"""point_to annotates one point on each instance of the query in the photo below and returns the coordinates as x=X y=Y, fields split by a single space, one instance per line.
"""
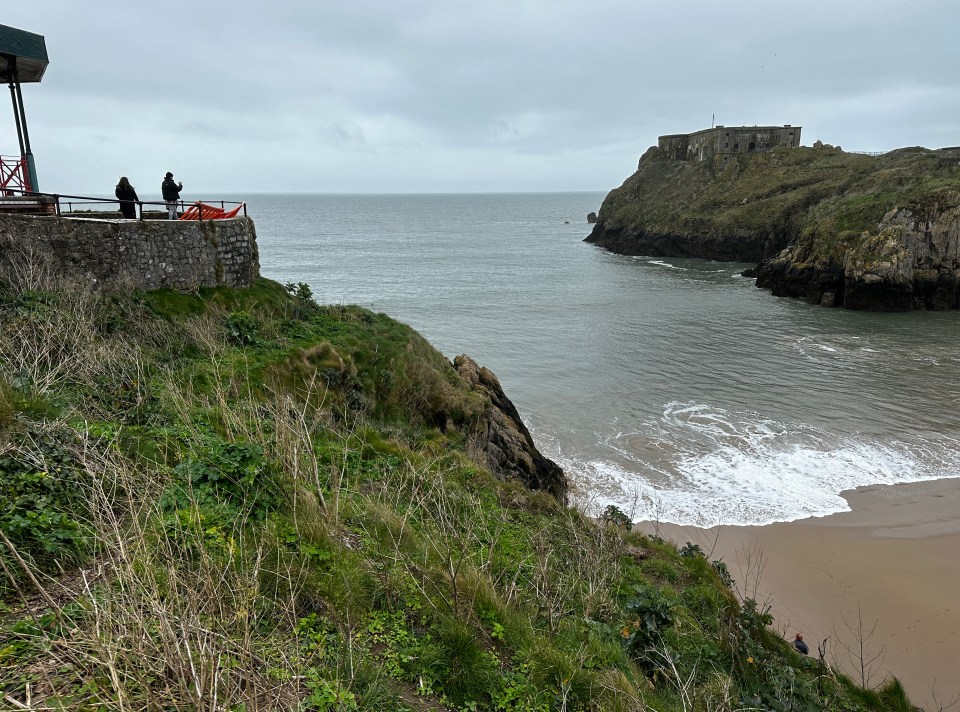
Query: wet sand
x=894 y=561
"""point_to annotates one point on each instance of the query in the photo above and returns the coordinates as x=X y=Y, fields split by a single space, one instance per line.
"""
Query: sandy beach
x=893 y=562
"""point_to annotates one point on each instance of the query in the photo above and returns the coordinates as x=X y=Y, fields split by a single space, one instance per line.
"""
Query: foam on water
x=704 y=466
x=661 y=263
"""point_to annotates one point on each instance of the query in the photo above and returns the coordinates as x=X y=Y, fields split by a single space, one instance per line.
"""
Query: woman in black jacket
x=127 y=197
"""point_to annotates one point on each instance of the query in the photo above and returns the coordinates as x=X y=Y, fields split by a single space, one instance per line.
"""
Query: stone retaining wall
x=144 y=254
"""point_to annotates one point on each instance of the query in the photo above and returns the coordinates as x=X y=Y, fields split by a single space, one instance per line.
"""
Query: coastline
x=893 y=560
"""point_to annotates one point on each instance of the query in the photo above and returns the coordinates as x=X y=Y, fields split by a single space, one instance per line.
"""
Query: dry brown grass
x=161 y=619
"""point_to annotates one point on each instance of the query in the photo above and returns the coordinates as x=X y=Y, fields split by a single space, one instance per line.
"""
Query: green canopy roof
x=29 y=51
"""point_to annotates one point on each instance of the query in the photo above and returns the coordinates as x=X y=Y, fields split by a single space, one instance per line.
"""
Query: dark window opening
x=752 y=147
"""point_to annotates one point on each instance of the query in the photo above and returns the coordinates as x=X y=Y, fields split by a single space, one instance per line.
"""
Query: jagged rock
x=504 y=441
x=911 y=261
x=592 y=218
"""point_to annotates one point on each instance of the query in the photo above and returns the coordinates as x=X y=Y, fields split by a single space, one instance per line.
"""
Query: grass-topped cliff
x=241 y=500
x=827 y=206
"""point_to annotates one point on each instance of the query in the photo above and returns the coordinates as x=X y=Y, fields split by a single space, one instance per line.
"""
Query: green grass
x=246 y=496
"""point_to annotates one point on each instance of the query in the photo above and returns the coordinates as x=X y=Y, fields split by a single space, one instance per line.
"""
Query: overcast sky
x=452 y=96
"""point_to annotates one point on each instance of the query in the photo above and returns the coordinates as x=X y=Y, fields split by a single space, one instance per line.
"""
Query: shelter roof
x=30 y=51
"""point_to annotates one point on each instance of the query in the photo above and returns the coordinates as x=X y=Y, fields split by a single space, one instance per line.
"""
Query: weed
x=653 y=616
x=241 y=328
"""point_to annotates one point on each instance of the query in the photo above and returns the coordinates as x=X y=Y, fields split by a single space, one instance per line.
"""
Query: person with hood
x=171 y=194
x=128 y=198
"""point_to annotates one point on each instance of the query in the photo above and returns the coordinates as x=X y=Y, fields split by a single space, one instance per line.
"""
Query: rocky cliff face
x=910 y=261
x=727 y=246
x=505 y=444
x=668 y=208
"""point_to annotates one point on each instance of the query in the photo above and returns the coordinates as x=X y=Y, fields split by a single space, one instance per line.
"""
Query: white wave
x=661 y=263
x=741 y=469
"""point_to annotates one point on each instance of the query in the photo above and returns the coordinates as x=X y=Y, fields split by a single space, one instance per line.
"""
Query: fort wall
x=720 y=142
x=139 y=254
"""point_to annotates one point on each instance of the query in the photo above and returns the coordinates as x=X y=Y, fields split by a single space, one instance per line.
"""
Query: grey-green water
x=672 y=388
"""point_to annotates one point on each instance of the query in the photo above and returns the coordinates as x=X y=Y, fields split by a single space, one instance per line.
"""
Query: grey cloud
x=545 y=93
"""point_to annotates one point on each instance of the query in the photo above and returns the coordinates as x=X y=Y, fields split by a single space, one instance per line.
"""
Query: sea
x=673 y=389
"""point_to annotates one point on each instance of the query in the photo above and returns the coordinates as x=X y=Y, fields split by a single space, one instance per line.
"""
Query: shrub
x=241 y=328
x=234 y=473
x=617 y=517
x=43 y=503
x=653 y=616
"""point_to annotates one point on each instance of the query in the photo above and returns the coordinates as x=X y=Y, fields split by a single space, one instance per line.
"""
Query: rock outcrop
x=505 y=443
x=723 y=245
x=910 y=261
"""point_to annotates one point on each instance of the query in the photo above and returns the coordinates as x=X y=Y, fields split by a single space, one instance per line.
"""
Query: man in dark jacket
x=171 y=194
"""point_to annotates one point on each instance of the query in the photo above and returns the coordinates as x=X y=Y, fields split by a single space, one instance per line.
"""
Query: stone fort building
x=721 y=142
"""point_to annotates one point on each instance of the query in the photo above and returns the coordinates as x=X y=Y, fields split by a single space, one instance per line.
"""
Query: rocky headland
x=838 y=229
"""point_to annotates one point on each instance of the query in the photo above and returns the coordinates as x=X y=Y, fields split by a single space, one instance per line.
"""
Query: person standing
x=171 y=194
x=128 y=198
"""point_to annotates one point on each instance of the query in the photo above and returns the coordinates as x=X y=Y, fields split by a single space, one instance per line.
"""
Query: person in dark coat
x=127 y=197
x=171 y=194
x=800 y=645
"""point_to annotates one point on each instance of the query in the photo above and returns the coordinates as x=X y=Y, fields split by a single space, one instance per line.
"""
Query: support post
x=32 y=173
x=28 y=154
x=12 y=64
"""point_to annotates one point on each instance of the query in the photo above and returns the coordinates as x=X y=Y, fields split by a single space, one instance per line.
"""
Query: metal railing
x=59 y=200
x=13 y=173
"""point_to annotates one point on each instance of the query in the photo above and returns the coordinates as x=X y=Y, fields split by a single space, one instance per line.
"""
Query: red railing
x=13 y=174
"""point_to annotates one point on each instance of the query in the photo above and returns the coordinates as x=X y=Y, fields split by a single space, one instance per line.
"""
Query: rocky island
x=835 y=228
